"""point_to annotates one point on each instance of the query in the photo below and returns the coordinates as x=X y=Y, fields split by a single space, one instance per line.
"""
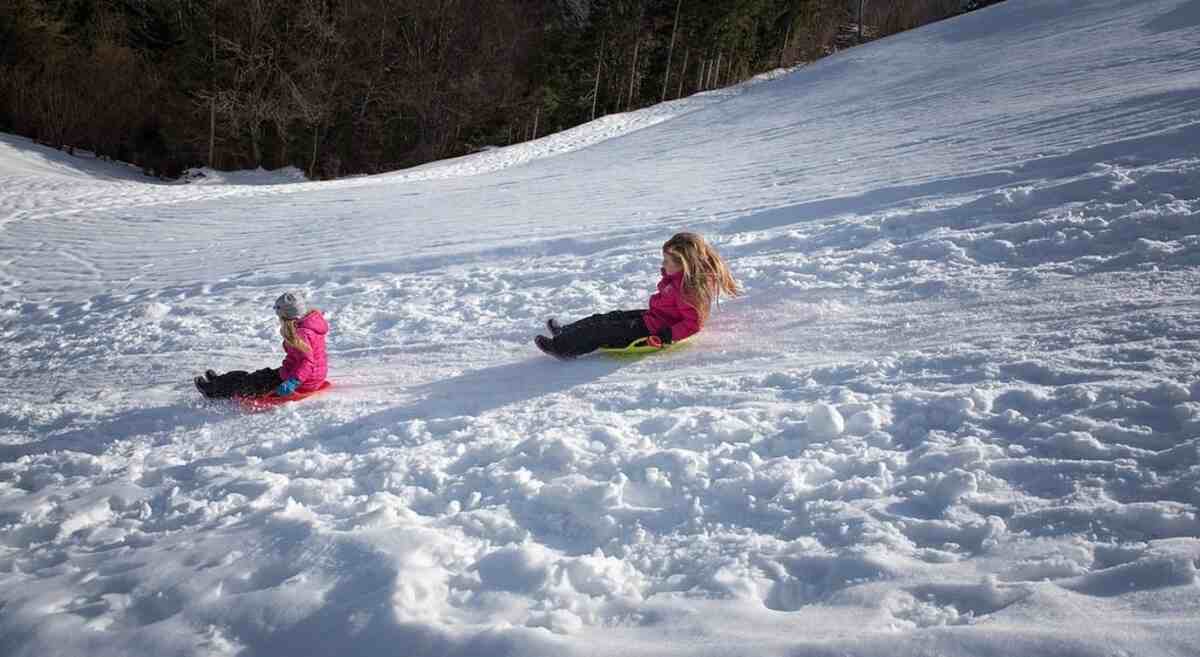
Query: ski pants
x=613 y=329
x=243 y=384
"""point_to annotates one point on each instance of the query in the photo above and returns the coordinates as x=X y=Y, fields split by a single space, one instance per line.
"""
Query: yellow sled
x=640 y=347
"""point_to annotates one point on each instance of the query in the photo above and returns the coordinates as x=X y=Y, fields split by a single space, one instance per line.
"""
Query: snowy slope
x=956 y=412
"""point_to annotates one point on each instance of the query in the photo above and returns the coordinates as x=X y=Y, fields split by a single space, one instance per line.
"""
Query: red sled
x=270 y=400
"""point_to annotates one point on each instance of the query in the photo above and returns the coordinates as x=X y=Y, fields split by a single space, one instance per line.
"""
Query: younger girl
x=693 y=276
x=304 y=363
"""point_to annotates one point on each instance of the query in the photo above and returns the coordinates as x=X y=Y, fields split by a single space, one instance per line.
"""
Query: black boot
x=547 y=346
x=210 y=374
x=201 y=385
x=554 y=327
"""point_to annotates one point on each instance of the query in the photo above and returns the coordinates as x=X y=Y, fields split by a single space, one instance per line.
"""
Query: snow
x=260 y=176
x=955 y=412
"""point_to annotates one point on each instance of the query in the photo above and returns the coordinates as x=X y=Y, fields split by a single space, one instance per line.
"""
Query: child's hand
x=287 y=387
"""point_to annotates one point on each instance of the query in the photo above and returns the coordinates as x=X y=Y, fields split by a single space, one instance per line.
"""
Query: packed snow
x=956 y=411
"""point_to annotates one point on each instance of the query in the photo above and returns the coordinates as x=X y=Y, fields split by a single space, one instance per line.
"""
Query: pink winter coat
x=309 y=368
x=668 y=308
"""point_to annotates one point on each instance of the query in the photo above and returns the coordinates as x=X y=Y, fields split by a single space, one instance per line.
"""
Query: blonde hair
x=705 y=274
x=287 y=328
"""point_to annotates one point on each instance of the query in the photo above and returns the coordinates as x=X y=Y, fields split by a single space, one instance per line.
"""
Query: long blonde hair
x=287 y=328
x=705 y=274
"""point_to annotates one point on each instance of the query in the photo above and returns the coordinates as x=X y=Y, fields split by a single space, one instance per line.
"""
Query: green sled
x=640 y=348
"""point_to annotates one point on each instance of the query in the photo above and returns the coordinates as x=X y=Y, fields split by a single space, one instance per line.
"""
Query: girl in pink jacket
x=304 y=362
x=693 y=276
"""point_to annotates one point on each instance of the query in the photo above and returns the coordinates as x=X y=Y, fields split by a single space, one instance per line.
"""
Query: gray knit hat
x=291 y=305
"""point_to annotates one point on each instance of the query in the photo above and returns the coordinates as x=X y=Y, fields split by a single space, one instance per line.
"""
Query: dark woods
x=349 y=86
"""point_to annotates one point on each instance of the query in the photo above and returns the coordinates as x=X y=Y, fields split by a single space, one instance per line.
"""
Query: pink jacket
x=309 y=368
x=668 y=308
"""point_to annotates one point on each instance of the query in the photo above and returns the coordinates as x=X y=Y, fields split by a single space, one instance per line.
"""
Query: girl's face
x=671 y=264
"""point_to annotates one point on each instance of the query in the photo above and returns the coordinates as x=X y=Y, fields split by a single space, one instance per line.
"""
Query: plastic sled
x=640 y=347
x=270 y=400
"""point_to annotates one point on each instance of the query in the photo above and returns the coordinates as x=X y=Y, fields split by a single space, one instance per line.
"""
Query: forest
x=339 y=87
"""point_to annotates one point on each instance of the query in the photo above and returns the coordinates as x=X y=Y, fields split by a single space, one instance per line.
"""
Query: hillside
x=955 y=412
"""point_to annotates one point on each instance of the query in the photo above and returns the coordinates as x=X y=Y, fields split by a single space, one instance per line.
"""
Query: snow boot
x=547 y=346
x=210 y=375
x=554 y=327
x=201 y=385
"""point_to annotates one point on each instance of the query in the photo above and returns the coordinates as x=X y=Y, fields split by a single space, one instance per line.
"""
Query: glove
x=662 y=339
x=287 y=387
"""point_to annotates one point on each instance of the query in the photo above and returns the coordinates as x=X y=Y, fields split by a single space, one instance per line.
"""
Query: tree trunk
x=860 y=19
x=212 y=108
x=700 y=77
x=254 y=145
x=683 y=72
x=596 y=86
x=670 y=51
x=312 y=164
x=536 y=114
x=637 y=42
x=783 y=51
x=212 y=131
x=716 y=82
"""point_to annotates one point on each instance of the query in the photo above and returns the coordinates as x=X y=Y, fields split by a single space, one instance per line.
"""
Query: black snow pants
x=242 y=384
x=614 y=329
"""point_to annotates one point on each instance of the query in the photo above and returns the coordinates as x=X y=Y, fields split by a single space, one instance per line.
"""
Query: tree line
x=337 y=87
